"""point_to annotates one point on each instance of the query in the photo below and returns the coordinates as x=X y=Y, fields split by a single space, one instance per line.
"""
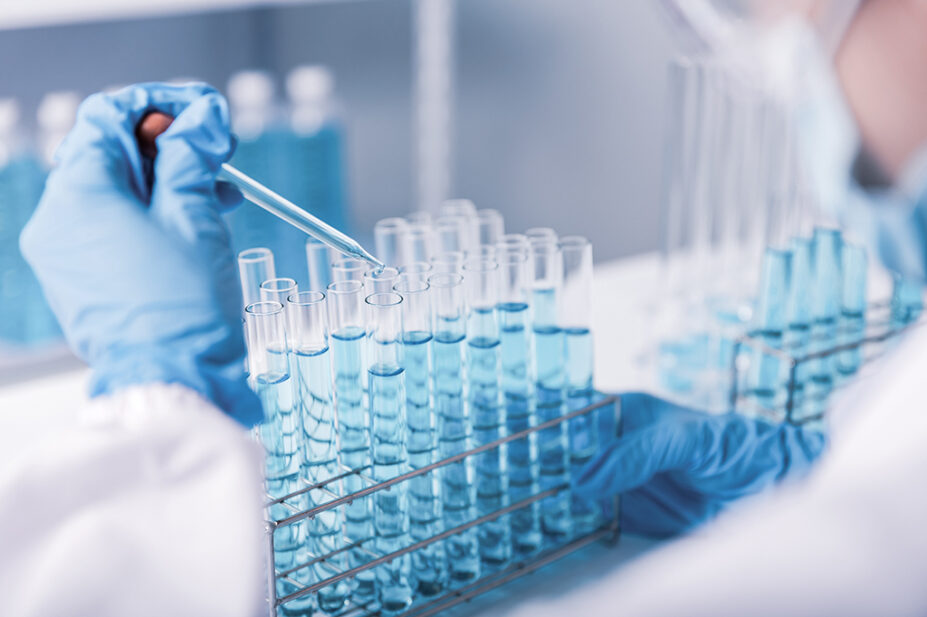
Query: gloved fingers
x=185 y=198
x=633 y=459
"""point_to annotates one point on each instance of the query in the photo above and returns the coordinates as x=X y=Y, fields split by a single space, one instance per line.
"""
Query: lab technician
x=149 y=503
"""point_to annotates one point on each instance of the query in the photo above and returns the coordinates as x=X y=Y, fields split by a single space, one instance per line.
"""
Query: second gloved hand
x=141 y=276
x=676 y=467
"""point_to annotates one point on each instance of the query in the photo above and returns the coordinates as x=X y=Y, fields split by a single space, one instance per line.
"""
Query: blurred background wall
x=559 y=103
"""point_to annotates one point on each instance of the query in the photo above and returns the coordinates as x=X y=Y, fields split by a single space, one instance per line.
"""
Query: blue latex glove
x=676 y=467
x=141 y=275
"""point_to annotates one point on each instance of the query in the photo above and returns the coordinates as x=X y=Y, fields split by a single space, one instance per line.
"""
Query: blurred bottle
x=258 y=123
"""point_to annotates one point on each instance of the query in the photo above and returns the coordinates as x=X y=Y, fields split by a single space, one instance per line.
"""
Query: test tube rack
x=607 y=532
x=870 y=342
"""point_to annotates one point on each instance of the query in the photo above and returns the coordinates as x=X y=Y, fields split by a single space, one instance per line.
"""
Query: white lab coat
x=147 y=503
x=849 y=541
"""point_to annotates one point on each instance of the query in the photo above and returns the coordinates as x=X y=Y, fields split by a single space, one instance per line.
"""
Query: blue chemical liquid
x=391 y=514
x=279 y=434
x=518 y=390
x=825 y=309
x=907 y=301
x=320 y=463
x=429 y=567
x=487 y=415
x=457 y=479
x=550 y=371
x=797 y=336
x=584 y=429
x=354 y=438
x=852 y=322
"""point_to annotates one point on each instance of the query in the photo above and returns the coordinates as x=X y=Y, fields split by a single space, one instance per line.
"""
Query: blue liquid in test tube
x=770 y=323
x=825 y=310
x=388 y=448
x=308 y=334
x=518 y=390
x=484 y=370
x=454 y=428
x=345 y=312
x=797 y=336
x=853 y=307
x=429 y=567
x=907 y=300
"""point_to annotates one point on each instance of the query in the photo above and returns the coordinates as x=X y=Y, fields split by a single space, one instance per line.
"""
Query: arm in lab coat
x=149 y=505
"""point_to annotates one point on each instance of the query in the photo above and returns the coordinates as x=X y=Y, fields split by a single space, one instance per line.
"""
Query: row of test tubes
x=467 y=335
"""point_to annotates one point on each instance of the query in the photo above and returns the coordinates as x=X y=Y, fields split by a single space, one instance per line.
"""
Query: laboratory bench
x=44 y=404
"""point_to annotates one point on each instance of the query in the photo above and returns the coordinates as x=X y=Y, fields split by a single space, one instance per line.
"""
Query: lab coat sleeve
x=848 y=541
x=149 y=504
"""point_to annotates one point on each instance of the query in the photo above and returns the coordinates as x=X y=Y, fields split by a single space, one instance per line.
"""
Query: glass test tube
x=254 y=267
x=346 y=324
x=429 y=567
x=380 y=281
x=418 y=269
x=517 y=391
x=464 y=209
x=550 y=374
x=540 y=234
x=453 y=233
x=419 y=217
x=852 y=323
x=491 y=226
x=349 y=269
x=454 y=427
x=513 y=241
x=576 y=322
x=797 y=336
x=389 y=446
x=825 y=302
x=907 y=301
x=390 y=238
x=278 y=290
x=269 y=377
x=448 y=261
x=770 y=321
x=308 y=335
x=421 y=244
x=318 y=257
x=487 y=414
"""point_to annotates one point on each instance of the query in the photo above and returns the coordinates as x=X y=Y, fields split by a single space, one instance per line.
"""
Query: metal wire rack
x=552 y=551
x=797 y=400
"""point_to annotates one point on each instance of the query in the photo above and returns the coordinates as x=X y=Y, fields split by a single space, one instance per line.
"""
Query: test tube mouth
x=574 y=242
x=349 y=264
x=265 y=307
x=445 y=279
x=540 y=234
x=459 y=207
x=410 y=284
x=393 y=222
x=384 y=299
x=480 y=264
x=306 y=298
x=278 y=284
x=254 y=254
x=417 y=267
x=345 y=287
x=385 y=272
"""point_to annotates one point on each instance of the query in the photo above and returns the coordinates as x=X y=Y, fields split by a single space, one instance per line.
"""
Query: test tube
x=517 y=391
x=448 y=261
x=550 y=372
x=458 y=207
x=421 y=243
x=278 y=290
x=308 y=336
x=318 y=258
x=770 y=322
x=576 y=322
x=389 y=446
x=491 y=226
x=390 y=238
x=269 y=377
x=254 y=267
x=825 y=302
x=514 y=241
x=798 y=333
x=453 y=233
x=454 y=426
x=419 y=217
x=380 y=281
x=907 y=301
x=346 y=324
x=853 y=307
x=348 y=269
x=484 y=372
x=429 y=567
x=540 y=234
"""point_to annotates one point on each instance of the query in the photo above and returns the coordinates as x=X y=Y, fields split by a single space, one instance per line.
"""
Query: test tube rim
x=441 y=257
x=300 y=302
x=469 y=265
x=263 y=253
x=273 y=307
x=369 y=300
x=532 y=234
x=574 y=241
x=416 y=268
x=406 y=280
x=354 y=285
x=391 y=222
x=357 y=264
x=454 y=279
x=291 y=284
x=374 y=273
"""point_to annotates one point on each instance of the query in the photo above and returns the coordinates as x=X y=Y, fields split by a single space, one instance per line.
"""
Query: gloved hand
x=676 y=467
x=141 y=275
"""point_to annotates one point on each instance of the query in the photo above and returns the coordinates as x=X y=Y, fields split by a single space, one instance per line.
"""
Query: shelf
x=37 y=13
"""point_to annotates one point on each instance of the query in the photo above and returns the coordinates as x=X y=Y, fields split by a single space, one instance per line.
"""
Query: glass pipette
x=155 y=123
